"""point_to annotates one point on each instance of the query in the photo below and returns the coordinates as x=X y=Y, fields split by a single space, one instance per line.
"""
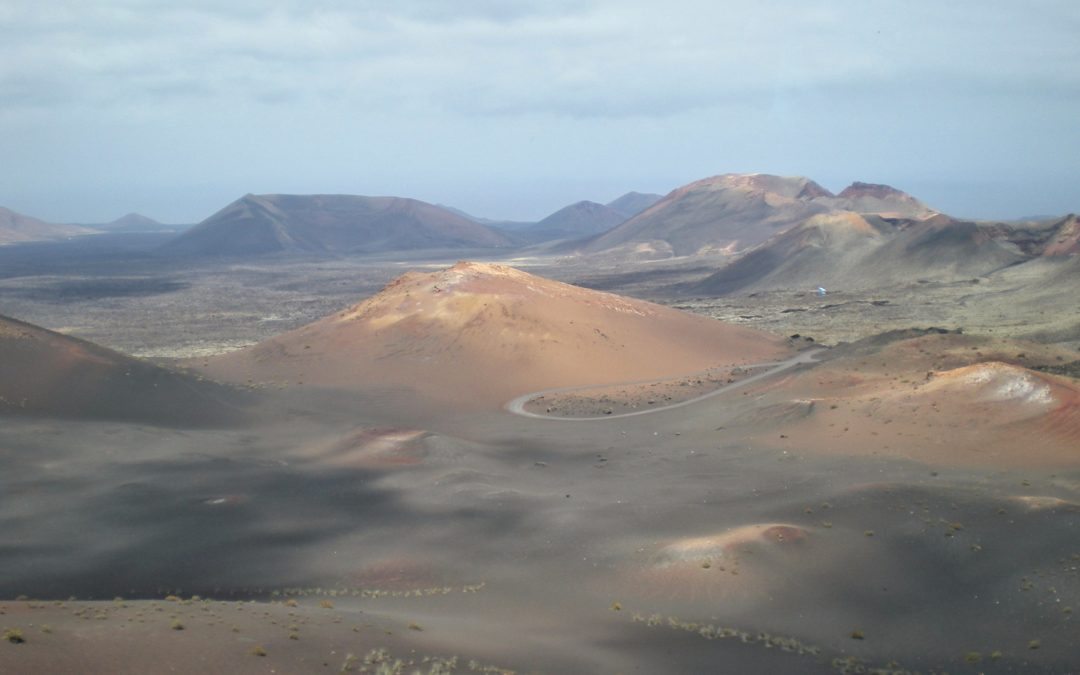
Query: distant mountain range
x=867 y=250
x=332 y=224
x=16 y=228
x=767 y=232
x=136 y=222
x=349 y=224
x=734 y=212
x=572 y=222
x=851 y=250
x=577 y=220
x=633 y=203
x=585 y=218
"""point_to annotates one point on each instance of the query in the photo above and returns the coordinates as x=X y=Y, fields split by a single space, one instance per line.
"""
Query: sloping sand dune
x=1066 y=239
x=369 y=448
x=928 y=400
x=728 y=543
x=734 y=565
x=478 y=334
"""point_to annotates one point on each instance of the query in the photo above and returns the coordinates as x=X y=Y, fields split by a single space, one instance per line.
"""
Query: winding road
x=517 y=405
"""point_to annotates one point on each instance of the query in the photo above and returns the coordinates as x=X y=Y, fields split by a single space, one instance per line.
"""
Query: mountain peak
x=576 y=220
x=724 y=213
x=133 y=218
x=480 y=333
x=881 y=199
x=792 y=187
x=875 y=190
x=321 y=224
x=633 y=203
x=16 y=227
x=585 y=204
x=482 y=269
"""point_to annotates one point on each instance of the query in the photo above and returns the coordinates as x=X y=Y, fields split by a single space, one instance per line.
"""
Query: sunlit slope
x=848 y=250
x=479 y=334
x=945 y=399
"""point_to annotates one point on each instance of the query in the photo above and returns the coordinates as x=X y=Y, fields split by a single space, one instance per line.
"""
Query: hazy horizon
x=513 y=110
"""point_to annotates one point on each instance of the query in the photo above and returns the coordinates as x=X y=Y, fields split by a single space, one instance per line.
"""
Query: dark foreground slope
x=920 y=491
x=742 y=534
x=43 y=373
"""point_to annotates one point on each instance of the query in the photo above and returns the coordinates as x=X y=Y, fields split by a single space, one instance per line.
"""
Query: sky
x=511 y=110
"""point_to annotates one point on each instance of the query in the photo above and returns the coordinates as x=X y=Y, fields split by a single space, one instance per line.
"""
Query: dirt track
x=517 y=405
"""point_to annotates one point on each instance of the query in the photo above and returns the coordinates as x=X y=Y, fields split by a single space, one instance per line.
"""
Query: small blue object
x=821 y=290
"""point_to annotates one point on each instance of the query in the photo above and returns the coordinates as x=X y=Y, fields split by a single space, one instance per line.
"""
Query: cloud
x=774 y=80
x=490 y=57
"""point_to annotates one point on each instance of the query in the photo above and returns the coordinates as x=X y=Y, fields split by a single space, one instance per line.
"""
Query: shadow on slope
x=49 y=374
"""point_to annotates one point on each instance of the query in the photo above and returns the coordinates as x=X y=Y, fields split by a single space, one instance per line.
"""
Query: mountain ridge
x=331 y=224
x=17 y=227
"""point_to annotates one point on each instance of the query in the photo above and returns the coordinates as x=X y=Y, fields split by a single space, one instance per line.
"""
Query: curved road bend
x=517 y=406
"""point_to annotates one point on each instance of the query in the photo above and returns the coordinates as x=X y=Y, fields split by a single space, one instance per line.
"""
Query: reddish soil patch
x=476 y=335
